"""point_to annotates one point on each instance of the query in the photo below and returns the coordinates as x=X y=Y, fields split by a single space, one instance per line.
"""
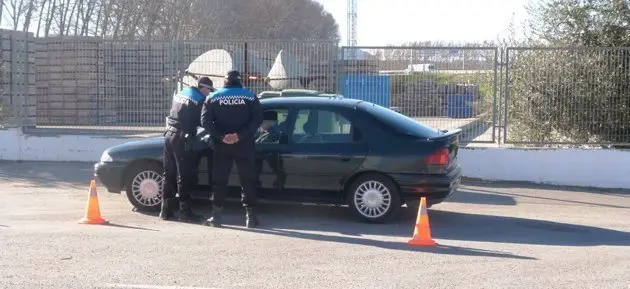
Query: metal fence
x=94 y=84
x=443 y=87
x=17 y=79
x=567 y=96
x=514 y=95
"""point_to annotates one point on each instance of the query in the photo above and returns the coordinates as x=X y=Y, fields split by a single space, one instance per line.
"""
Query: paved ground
x=490 y=236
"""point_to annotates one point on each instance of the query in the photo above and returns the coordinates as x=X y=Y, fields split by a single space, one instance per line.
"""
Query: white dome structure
x=218 y=62
x=286 y=66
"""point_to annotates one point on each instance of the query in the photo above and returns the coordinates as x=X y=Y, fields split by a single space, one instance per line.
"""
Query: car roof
x=313 y=100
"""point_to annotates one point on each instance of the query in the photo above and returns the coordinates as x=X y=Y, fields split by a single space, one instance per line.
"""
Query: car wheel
x=373 y=198
x=144 y=186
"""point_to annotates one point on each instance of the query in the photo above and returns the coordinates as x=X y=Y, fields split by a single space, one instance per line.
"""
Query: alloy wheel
x=147 y=188
x=372 y=199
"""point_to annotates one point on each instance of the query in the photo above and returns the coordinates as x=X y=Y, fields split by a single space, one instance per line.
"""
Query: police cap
x=205 y=82
x=233 y=75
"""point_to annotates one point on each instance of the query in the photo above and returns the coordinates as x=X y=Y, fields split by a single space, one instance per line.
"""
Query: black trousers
x=223 y=159
x=178 y=164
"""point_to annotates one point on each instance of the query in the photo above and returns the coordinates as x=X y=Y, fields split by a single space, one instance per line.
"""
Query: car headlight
x=105 y=157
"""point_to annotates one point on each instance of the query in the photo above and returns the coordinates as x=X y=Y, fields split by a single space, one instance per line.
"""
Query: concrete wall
x=571 y=167
x=16 y=146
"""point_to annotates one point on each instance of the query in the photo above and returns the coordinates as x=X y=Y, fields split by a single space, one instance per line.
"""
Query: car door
x=268 y=163
x=325 y=147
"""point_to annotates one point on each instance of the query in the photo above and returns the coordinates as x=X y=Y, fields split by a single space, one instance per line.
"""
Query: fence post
x=341 y=68
x=499 y=122
x=497 y=66
x=507 y=94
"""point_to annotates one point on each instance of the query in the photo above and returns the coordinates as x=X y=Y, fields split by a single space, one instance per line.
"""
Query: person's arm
x=255 y=119
x=207 y=119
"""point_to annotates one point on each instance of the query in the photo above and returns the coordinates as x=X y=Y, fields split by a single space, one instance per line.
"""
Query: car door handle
x=345 y=158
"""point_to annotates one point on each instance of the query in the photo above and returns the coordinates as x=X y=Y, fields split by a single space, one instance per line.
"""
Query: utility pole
x=352 y=26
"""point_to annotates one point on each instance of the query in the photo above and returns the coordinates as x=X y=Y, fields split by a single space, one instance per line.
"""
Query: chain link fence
x=515 y=95
x=89 y=83
x=443 y=87
x=17 y=79
x=557 y=96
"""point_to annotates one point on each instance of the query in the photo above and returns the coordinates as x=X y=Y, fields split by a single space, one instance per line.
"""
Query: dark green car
x=329 y=150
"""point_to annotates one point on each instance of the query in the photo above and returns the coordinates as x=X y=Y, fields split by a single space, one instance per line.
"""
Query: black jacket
x=185 y=110
x=232 y=109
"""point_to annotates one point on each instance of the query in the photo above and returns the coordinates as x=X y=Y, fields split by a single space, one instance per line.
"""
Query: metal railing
x=443 y=87
x=567 y=95
x=512 y=95
x=94 y=84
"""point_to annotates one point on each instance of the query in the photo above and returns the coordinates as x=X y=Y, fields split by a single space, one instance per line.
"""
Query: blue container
x=372 y=88
x=459 y=106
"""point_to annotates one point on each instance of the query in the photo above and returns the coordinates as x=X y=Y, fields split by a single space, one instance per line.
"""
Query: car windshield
x=401 y=122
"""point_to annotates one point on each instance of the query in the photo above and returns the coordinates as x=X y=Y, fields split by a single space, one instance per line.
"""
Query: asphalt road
x=490 y=236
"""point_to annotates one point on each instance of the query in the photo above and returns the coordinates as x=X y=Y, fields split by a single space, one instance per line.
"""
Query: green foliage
x=570 y=96
x=578 y=94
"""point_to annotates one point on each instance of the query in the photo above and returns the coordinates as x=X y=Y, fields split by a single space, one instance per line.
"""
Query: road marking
x=143 y=286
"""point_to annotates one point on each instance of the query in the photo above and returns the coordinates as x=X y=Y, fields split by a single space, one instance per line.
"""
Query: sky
x=383 y=22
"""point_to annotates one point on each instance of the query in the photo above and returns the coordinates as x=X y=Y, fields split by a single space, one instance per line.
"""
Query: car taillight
x=440 y=157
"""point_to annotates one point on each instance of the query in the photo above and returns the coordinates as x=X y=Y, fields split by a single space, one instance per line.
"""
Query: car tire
x=373 y=198
x=142 y=181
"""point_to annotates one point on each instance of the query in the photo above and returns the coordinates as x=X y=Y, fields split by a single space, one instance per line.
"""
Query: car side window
x=272 y=127
x=323 y=126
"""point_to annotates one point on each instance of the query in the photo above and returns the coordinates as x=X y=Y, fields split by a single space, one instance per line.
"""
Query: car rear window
x=400 y=122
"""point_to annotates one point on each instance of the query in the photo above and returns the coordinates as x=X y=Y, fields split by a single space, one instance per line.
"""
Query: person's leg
x=221 y=167
x=184 y=163
x=170 y=180
x=248 y=177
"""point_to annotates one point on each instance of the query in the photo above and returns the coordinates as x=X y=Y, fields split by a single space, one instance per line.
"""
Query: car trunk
x=443 y=150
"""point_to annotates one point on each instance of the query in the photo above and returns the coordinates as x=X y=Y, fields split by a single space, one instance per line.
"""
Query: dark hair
x=205 y=82
x=270 y=115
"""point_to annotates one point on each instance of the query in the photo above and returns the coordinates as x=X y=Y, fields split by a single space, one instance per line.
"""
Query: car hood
x=150 y=148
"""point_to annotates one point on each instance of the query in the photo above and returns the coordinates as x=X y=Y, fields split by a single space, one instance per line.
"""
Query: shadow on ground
x=318 y=222
x=503 y=191
x=47 y=174
x=129 y=227
x=488 y=185
x=478 y=197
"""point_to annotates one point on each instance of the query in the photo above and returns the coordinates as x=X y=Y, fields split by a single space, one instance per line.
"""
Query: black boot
x=186 y=214
x=251 y=221
x=167 y=212
x=215 y=220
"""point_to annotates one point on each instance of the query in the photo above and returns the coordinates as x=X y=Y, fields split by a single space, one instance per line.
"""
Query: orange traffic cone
x=93 y=211
x=422 y=231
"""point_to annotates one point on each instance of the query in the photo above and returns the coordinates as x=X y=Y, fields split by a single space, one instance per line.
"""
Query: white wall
x=571 y=167
x=16 y=146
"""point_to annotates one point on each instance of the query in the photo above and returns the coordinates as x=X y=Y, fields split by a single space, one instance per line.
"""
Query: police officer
x=232 y=114
x=182 y=123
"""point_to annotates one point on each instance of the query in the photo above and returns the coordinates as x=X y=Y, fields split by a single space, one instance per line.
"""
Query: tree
x=576 y=94
x=175 y=19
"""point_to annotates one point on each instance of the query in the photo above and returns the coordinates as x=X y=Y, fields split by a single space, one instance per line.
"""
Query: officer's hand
x=229 y=139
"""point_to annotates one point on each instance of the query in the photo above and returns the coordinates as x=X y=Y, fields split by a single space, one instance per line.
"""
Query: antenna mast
x=352 y=22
